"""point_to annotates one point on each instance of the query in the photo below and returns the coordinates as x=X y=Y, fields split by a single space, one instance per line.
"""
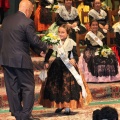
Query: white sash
x=71 y=69
x=95 y=38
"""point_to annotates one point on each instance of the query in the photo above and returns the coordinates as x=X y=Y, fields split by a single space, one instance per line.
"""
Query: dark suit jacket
x=18 y=34
x=0 y=39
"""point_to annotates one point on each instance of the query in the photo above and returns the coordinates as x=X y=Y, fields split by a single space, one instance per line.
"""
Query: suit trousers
x=20 y=86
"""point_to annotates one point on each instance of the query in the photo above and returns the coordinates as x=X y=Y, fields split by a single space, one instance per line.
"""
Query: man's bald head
x=26 y=7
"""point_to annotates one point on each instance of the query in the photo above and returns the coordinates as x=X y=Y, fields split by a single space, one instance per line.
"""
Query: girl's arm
x=74 y=51
x=87 y=42
x=48 y=55
x=117 y=38
x=60 y=20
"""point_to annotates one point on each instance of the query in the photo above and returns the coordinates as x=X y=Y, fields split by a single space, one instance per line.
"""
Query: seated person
x=102 y=16
x=67 y=14
x=43 y=16
x=98 y=64
x=116 y=48
x=106 y=113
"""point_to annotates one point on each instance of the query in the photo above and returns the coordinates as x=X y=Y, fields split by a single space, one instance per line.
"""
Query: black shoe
x=67 y=112
x=12 y=114
x=59 y=110
x=32 y=118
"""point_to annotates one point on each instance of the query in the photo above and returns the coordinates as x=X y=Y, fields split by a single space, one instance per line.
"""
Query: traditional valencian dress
x=64 y=17
x=116 y=48
x=97 y=68
x=101 y=17
x=61 y=89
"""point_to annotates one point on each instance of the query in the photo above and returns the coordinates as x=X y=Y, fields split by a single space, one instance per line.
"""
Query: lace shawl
x=66 y=15
x=96 y=15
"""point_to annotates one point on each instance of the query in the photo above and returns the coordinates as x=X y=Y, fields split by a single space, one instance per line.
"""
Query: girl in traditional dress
x=116 y=28
x=62 y=89
x=98 y=66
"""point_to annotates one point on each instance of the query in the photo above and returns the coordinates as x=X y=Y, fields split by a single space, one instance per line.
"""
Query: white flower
x=96 y=53
x=49 y=6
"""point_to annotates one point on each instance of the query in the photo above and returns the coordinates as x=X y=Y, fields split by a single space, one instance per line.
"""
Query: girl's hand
x=101 y=26
x=73 y=62
x=42 y=54
x=74 y=24
x=69 y=25
x=106 y=27
x=50 y=46
x=46 y=65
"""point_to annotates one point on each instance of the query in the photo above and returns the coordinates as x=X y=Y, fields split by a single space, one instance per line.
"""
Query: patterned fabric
x=66 y=15
x=61 y=88
x=101 y=69
x=39 y=26
x=97 y=15
x=69 y=96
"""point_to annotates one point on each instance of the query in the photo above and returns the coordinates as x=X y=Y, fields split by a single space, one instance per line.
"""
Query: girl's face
x=68 y=3
x=94 y=26
x=97 y=4
x=62 y=33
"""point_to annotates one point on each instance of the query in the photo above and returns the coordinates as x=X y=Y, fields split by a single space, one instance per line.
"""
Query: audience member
x=105 y=113
x=43 y=15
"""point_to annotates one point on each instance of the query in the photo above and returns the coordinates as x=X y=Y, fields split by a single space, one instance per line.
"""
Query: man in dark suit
x=18 y=35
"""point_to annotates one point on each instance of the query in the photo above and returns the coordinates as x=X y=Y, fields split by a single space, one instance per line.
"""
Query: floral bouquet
x=51 y=38
x=104 y=51
x=53 y=7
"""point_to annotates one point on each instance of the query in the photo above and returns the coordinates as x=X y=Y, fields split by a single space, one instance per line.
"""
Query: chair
x=110 y=38
x=111 y=14
x=113 y=3
x=83 y=16
x=54 y=17
x=79 y=37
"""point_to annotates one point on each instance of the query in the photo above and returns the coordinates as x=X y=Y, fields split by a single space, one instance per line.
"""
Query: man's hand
x=46 y=65
x=50 y=47
x=42 y=54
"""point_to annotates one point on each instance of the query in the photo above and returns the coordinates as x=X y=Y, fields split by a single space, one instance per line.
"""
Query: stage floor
x=48 y=114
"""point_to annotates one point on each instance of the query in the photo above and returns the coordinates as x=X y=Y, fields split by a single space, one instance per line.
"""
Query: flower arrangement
x=53 y=7
x=104 y=51
x=51 y=38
